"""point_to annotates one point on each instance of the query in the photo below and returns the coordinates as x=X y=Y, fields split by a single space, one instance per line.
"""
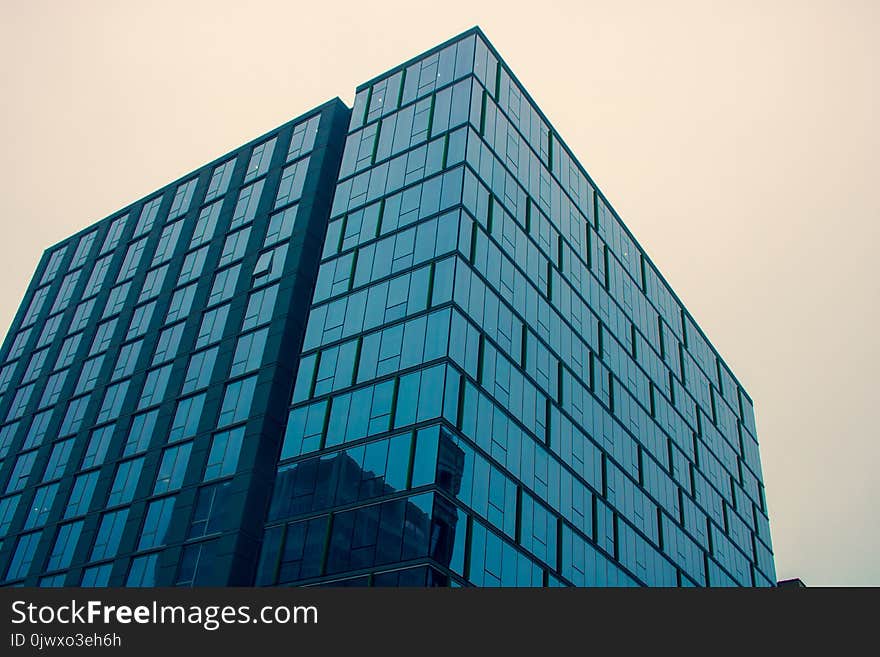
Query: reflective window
x=186 y=418
x=65 y=544
x=143 y=570
x=23 y=556
x=148 y=216
x=201 y=367
x=182 y=199
x=114 y=233
x=261 y=157
x=81 y=494
x=172 y=468
x=58 y=459
x=249 y=352
x=109 y=535
x=41 y=506
x=156 y=522
x=154 y=386
x=211 y=511
x=220 y=180
x=142 y=429
x=223 y=457
x=125 y=482
x=237 y=400
x=97 y=447
x=21 y=471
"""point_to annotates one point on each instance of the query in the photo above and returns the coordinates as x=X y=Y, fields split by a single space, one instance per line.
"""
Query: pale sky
x=738 y=141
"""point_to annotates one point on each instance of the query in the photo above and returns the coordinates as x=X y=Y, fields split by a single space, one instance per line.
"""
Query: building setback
x=409 y=343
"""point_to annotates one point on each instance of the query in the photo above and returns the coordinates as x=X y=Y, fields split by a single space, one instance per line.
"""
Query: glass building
x=409 y=343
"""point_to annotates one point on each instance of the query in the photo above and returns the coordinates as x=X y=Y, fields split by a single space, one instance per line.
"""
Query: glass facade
x=409 y=344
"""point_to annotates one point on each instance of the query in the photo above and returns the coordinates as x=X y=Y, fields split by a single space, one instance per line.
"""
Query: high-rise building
x=409 y=343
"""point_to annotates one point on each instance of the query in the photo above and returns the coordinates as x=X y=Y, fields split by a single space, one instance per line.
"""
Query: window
x=8 y=370
x=65 y=292
x=24 y=553
x=103 y=336
x=41 y=506
x=53 y=581
x=53 y=265
x=113 y=399
x=270 y=265
x=127 y=360
x=148 y=216
x=20 y=402
x=7 y=433
x=153 y=283
x=154 y=387
x=109 y=534
x=305 y=425
x=181 y=303
x=198 y=374
x=114 y=233
x=206 y=225
x=116 y=300
x=76 y=411
x=34 y=368
x=249 y=352
x=292 y=178
x=125 y=483
x=193 y=265
x=261 y=305
x=96 y=280
x=65 y=544
x=81 y=494
x=209 y=513
x=132 y=260
x=141 y=432
x=211 y=329
x=234 y=247
x=223 y=457
x=35 y=306
x=82 y=250
x=246 y=207
x=167 y=243
x=21 y=471
x=220 y=180
x=261 y=157
x=19 y=343
x=89 y=376
x=81 y=316
x=237 y=401
x=186 y=418
x=156 y=523
x=224 y=285
x=142 y=571
x=168 y=343
x=53 y=388
x=37 y=430
x=140 y=320
x=68 y=351
x=98 y=444
x=182 y=199
x=196 y=564
x=8 y=506
x=303 y=139
x=97 y=576
x=58 y=459
x=172 y=469
x=281 y=226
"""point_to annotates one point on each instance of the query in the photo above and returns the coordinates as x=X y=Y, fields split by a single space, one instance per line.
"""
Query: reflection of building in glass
x=376 y=519
x=404 y=344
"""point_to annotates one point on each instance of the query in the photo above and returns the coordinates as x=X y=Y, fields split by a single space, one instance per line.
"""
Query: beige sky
x=738 y=141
